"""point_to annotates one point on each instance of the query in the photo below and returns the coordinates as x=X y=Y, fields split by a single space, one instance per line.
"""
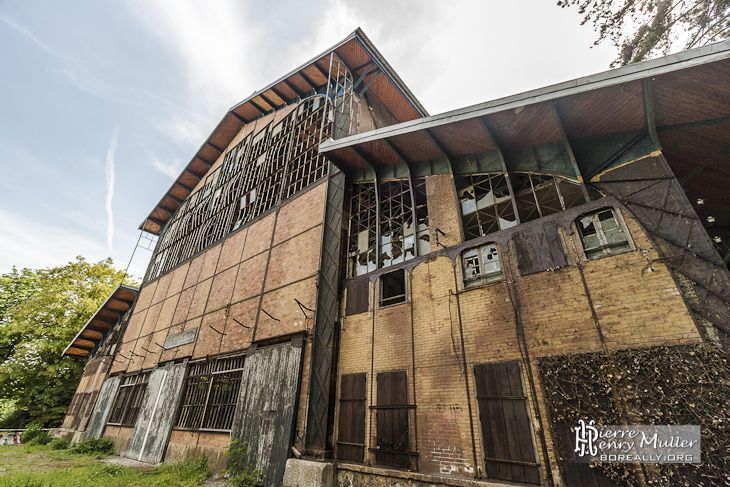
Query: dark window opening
x=393 y=288
x=508 y=449
x=210 y=395
x=129 y=400
x=602 y=234
x=351 y=424
x=482 y=264
x=392 y=446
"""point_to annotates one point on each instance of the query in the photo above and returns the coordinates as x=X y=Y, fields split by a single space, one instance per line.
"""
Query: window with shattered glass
x=482 y=264
x=602 y=233
x=382 y=228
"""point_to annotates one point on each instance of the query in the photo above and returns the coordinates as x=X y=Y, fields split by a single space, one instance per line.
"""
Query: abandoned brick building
x=340 y=276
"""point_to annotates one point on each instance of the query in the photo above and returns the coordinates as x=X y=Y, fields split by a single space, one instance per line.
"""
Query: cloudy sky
x=103 y=103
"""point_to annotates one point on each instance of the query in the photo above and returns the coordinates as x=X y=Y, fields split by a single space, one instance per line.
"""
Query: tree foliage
x=40 y=313
x=644 y=28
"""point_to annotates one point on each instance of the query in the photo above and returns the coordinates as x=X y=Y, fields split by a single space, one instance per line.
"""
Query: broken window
x=482 y=264
x=264 y=168
x=393 y=288
x=129 y=400
x=486 y=206
x=385 y=218
x=602 y=233
x=351 y=424
x=392 y=445
x=210 y=395
x=361 y=249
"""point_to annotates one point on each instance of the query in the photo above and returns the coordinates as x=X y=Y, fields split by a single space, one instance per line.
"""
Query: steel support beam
x=649 y=112
x=441 y=149
x=571 y=156
x=699 y=168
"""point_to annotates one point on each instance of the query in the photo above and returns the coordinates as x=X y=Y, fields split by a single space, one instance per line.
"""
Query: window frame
x=605 y=249
x=131 y=392
x=482 y=277
x=194 y=414
x=392 y=299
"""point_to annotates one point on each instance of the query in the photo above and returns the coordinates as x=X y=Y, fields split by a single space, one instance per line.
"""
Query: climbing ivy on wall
x=683 y=385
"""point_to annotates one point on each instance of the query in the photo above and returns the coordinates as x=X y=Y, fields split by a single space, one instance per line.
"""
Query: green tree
x=40 y=313
x=641 y=29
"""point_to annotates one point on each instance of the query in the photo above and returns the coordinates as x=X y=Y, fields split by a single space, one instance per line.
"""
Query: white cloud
x=110 y=188
x=172 y=171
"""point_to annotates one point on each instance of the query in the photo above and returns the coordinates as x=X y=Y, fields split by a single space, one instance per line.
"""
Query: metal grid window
x=273 y=163
x=210 y=395
x=602 y=233
x=482 y=264
x=487 y=207
x=129 y=400
x=382 y=229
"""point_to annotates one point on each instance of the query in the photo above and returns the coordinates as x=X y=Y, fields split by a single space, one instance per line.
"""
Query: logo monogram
x=585 y=436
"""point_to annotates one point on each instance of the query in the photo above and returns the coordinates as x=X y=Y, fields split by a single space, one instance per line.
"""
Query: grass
x=39 y=466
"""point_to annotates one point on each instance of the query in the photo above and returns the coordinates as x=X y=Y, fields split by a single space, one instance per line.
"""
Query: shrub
x=240 y=472
x=193 y=469
x=94 y=446
x=60 y=444
x=34 y=435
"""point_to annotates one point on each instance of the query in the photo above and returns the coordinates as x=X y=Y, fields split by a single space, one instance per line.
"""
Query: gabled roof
x=102 y=322
x=360 y=56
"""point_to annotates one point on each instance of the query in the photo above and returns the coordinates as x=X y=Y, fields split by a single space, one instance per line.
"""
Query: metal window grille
x=482 y=264
x=267 y=166
x=341 y=86
x=129 y=400
x=210 y=395
x=361 y=250
x=602 y=234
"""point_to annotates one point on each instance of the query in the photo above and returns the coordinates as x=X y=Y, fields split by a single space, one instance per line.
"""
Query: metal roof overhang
x=102 y=322
x=356 y=51
x=688 y=95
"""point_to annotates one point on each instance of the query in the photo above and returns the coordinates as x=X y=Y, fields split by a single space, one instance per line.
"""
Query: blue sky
x=102 y=104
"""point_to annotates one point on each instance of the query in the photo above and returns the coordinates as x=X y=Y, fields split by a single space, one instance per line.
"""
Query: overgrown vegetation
x=240 y=472
x=40 y=313
x=682 y=385
x=60 y=444
x=39 y=466
x=34 y=435
x=94 y=446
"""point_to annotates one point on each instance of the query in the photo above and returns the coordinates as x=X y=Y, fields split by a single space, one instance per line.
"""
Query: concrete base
x=304 y=473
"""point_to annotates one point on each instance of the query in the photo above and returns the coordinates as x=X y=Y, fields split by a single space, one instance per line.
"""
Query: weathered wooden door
x=507 y=441
x=103 y=406
x=351 y=426
x=266 y=407
x=154 y=422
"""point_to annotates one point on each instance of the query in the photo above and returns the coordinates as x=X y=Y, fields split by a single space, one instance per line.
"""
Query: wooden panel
x=416 y=146
x=538 y=248
x=392 y=424
x=265 y=413
x=463 y=137
x=102 y=408
x=154 y=423
x=358 y=296
x=505 y=425
x=351 y=425
x=530 y=125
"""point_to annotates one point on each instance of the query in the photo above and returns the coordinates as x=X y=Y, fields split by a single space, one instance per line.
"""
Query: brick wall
x=634 y=307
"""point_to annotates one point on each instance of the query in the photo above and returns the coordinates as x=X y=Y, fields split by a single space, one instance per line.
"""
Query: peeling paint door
x=154 y=423
x=266 y=407
x=102 y=408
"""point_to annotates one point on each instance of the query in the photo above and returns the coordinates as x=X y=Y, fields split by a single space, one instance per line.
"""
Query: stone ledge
x=419 y=477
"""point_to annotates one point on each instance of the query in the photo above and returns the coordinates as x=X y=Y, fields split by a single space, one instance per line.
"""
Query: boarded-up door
x=392 y=430
x=103 y=406
x=154 y=422
x=507 y=444
x=351 y=425
x=264 y=418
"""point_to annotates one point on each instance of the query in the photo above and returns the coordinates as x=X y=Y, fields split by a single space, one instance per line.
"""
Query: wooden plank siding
x=351 y=429
x=392 y=419
x=507 y=445
x=538 y=248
